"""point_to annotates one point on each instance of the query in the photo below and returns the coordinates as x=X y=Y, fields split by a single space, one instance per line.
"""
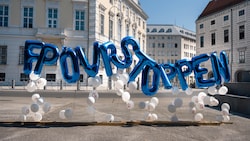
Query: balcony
x=50 y=33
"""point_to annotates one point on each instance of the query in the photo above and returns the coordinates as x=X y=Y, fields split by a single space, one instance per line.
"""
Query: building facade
x=67 y=23
x=169 y=43
x=224 y=26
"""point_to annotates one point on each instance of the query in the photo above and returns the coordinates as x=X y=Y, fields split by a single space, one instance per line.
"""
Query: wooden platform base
x=116 y=123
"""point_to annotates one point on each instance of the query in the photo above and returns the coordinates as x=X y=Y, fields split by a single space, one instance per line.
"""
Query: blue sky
x=182 y=13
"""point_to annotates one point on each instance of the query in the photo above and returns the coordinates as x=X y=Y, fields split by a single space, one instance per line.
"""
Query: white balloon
x=225 y=106
x=94 y=94
x=223 y=90
x=126 y=96
x=142 y=105
x=213 y=101
x=132 y=85
x=226 y=118
x=110 y=118
x=115 y=77
x=96 y=81
x=119 y=84
x=25 y=110
x=90 y=100
x=189 y=91
x=68 y=113
x=35 y=97
x=154 y=100
x=46 y=107
x=37 y=117
x=62 y=114
x=195 y=99
x=149 y=117
x=31 y=87
x=193 y=110
x=130 y=104
x=225 y=112
x=212 y=90
x=41 y=82
x=178 y=102
x=33 y=76
x=34 y=107
x=219 y=118
x=201 y=96
x=40 y=101
x=119 y=92
x=207 y=100
x=154 y=117
x=200 y=105
x=22 y=117
x=171 y=108
x=124 y=78
x=198 y=117
x=151 y=106
x=175 y=90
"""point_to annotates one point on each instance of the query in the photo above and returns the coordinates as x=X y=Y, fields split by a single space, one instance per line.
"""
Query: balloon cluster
x=121 y=79
x=176 y=103
x=217 y=90
x=150 y=107
x=34 y=109
x=36 y=82
x=225 y=108
x=66 y=114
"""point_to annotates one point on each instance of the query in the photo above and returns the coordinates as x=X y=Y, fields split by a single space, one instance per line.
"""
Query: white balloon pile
x=199 y=102
x=35 y=83
x=225 y=108
x=34 y=109
x=121 y=79
x=176 y=103
x=221 y=91
x=150 y=107
x=66 y=114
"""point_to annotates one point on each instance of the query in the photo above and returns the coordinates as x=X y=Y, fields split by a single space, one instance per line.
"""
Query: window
x=153 y=45
x=212 y=22
x=154 y=30
x=111 y=28
x=242 y=32
x=241 y=12
x=201 y=26
x=226 y=36
x=21 y=55
x=51 y=77
x=52 y=17
x=28 y=17
x=169 y=30
x=162 y=30
x=4 y=12
x=213 y=39
x=2 y=76
x=102 y=24
x=162 y=45
x=79 y=20
x=24 y=77
x=242 y=56
x=226 y=18
x=81 y=78
x=175 y=45
x=202 y=41
x=3 y=55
